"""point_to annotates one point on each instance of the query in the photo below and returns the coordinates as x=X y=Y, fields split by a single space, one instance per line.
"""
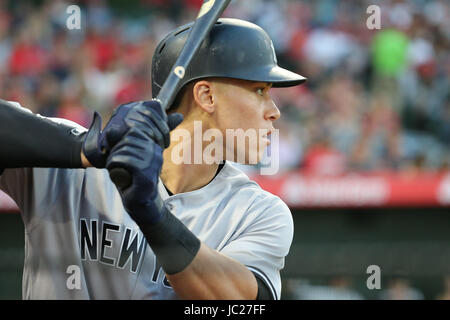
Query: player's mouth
x=266 y=137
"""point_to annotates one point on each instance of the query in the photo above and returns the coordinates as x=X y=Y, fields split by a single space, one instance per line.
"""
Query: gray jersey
x=80 y=243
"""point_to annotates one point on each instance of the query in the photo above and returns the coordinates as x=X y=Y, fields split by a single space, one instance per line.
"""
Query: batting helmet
x=233 y=49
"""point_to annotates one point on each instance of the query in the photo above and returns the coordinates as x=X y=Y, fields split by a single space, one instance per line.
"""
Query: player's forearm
x=29 y=140
x=212 y=275
x=194 y=270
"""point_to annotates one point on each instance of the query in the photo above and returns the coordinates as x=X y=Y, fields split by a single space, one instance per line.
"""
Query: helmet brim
x=282 y=78
x=279 y=77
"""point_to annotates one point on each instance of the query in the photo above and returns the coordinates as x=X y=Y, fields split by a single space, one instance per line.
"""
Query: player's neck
x=186 y=174
x=179 y=178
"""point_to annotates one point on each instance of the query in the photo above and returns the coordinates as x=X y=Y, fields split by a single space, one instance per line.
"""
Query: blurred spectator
x=374 y=99
x=400 y=289
x=339 y=288
x=323 y=159
x=445 y=294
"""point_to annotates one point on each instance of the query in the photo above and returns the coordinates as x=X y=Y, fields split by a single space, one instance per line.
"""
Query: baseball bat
x=209 y=12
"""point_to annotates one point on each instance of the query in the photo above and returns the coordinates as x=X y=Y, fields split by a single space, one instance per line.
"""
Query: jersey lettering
x=131 y=250
x=157 y=271
x=88 y=238
x=107 y=242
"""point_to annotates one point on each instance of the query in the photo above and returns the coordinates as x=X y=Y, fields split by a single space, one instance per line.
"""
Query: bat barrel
x=209 y=13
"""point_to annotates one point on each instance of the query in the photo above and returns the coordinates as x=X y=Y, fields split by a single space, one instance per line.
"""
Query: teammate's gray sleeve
x=23 y=185
x=40 y=192
x=263 y=244
x=16 y=183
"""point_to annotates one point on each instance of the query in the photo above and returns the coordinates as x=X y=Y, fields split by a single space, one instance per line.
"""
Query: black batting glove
x=140 y=152
x=98 y=143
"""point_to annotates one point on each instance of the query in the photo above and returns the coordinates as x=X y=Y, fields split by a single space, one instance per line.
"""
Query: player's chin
x=249 y=156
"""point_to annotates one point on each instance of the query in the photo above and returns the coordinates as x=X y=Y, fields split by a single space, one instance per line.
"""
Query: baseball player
x=179 y=230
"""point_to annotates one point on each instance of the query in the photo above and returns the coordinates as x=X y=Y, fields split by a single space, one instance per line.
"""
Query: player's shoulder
x=264 y=210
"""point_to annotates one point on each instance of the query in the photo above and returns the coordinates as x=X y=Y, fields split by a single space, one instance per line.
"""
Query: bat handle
x=121 y=177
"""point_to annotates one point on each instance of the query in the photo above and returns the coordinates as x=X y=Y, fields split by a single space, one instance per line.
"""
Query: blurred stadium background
x=364 y=145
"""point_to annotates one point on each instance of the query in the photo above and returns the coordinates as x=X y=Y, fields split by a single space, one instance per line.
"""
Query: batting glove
x=98 y=144
x=140 y=151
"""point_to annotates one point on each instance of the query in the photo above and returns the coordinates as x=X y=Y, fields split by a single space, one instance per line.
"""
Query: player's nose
x=272 y=112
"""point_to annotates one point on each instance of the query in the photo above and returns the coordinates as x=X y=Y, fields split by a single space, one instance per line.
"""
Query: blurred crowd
x=375 y=99
x=342 y=287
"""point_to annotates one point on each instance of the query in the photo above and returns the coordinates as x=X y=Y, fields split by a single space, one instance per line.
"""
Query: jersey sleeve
x=263 y=241
x=41 y=192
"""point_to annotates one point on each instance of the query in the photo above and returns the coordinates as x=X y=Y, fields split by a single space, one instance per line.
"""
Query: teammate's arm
x=30 y=140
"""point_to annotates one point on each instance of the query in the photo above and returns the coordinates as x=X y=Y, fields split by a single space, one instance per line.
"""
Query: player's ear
x=203 y=95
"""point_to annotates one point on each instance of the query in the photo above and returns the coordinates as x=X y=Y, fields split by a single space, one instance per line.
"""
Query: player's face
x=247 y=108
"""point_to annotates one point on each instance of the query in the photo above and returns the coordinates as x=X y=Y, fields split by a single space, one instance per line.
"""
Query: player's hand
x=98 y=143
x=140 y=151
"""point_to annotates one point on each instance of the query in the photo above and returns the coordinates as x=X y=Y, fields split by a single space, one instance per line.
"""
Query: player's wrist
x=84 y=161
x=146 y=211
x=174 y=245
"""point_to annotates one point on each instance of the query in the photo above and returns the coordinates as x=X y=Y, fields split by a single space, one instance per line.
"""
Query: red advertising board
x=375 y=189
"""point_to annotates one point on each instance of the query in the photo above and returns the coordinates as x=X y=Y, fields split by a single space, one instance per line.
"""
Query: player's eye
x=260 y=91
